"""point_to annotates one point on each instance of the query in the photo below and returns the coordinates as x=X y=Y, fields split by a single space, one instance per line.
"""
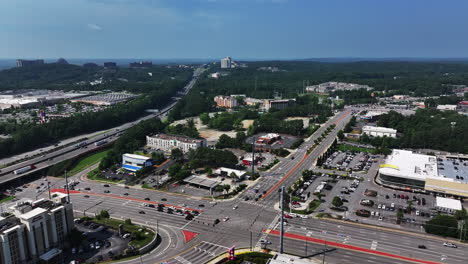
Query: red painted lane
x=297 y=165
x=345 y=246
x=189 y=235
x=285 y=177
x=124 y=198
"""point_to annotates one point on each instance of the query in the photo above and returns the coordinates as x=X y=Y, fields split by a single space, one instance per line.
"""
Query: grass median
x=88 y=162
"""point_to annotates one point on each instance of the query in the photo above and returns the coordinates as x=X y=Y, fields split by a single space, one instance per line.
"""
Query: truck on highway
x=81 y=144
x=100 y=142
x=23 y=170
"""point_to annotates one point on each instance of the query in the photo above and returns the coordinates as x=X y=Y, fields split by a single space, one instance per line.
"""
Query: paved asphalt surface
x=49 y=159
x=252 y=221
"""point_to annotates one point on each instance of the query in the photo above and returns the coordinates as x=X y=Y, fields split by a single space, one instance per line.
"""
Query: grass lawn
x=95 y=175
x=88 y=161
x=354 y=148
x=139 y=239
x=254 y=257
x=6 y=198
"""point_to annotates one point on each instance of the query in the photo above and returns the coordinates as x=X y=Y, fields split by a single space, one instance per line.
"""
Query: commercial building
x=27 y=63
x=227 y=172
x=36 y=231
x=278 y=104
x=105 y=99
x=379 y=131
x=448 y=205
x=168 y=142
x=33 y=98
x=133 y=162
x=226 y=63
x=110 y=64
x=447 y=107
x=253 y=101
x=225 y=101
x=412 y=171
x=329 y=87
x=268 y=139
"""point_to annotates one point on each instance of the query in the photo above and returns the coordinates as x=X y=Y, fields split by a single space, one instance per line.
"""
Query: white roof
x=229 y=171
x=448 y=203
x=33 y=213
x=288 y=259
x=379 y=129
x=406 y=164
x=135 y=156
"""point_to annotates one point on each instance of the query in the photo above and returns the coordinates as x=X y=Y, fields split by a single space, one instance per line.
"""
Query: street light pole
x=282 y=219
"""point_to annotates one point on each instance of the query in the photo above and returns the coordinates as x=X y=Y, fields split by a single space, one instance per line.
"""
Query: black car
x=201 y=205
x=163 y=199
x=246 y=198
x=151 y=205
x=126 y=187
x=147 y=198
x=141 y=212
x=106 y=191
x=125 y=194
x=422 y=246
x=86 y=196
x=87 y=189
x=106 y=185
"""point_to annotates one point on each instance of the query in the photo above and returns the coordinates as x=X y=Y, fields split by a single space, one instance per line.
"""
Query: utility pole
x=250 y=240
x=48 y=188
x=253 y=156
x=68 y=188
x=282 y=219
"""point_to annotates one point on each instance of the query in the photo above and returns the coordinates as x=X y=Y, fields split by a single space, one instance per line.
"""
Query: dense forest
x=432 y=129
x=415 y=78
x=28 y=136
x=75 y=77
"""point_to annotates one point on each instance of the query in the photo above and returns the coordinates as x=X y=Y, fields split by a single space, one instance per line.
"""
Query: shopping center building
x=443 y=174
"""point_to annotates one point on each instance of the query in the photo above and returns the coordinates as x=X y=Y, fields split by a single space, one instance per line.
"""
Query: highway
x=252 y=221
x=65 y=153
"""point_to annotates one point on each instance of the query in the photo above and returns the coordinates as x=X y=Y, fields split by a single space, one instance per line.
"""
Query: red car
x=287 y=216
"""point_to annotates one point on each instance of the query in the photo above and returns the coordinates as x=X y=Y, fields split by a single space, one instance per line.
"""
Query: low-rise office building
x=36 y=231
x=447 y=107
x=133 y=162
x=379 y=131
x=166 y=142
x=278 y=104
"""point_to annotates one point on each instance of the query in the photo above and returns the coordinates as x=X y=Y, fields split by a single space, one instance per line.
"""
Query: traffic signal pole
x=282 y=219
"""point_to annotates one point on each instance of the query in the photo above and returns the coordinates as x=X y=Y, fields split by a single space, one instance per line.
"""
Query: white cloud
x=94 y=27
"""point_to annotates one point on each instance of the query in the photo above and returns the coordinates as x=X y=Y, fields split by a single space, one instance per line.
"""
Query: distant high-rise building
x=226 y=63
x=110 y=64
x=27 y=63
x=141 y=64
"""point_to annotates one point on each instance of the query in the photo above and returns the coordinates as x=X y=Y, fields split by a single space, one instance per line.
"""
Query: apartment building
x=168 y=142
x=226 y=101
x=35 y=232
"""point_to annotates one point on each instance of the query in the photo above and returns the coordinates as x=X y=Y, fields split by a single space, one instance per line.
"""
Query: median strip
x=348 y=247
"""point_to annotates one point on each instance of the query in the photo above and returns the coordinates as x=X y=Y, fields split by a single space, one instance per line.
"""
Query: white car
x=392 y=205
x=418 y=213
x=235 y=207
x=264 y=241
x=225 y=219
x=380 y=206
x=304 y=216
x=377 y=213
x=372 y=213
x=383 y=206
x=447 y=244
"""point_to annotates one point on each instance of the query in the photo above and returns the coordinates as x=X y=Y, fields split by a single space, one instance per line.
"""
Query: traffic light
x=231 y=253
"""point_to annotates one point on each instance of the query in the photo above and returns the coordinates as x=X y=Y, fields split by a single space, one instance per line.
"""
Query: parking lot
x=348 y=161
x=98 y=243
x=385 y=204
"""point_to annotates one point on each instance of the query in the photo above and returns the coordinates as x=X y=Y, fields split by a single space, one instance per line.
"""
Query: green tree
x=340 y=135
x=460 y=214
x=337 y=202
x=177 y=154
x=442 y=225
x=205 y=118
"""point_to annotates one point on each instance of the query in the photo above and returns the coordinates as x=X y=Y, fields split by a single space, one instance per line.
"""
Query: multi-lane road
x=253 y=220
x=68 y=152
x=248 y=221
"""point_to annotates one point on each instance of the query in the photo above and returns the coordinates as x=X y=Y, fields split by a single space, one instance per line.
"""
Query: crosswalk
x=199 y=254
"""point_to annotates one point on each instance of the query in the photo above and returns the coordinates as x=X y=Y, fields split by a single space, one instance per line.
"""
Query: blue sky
x=262 y=29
